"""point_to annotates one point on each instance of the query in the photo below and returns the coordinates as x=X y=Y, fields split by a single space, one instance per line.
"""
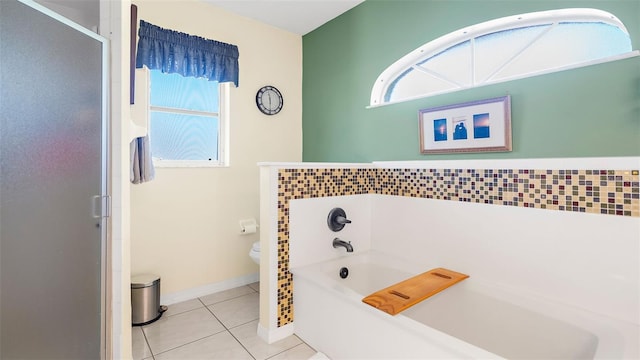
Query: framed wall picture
x=477 y=126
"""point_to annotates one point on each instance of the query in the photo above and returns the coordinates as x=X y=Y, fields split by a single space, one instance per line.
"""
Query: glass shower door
x=52 y=186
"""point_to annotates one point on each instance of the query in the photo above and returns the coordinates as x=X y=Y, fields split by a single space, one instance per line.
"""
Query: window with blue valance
x=188 y=55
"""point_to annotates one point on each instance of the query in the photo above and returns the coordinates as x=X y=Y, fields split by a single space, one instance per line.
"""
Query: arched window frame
x=470 y=33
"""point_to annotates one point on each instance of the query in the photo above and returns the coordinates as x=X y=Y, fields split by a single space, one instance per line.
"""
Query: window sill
x=187 y=164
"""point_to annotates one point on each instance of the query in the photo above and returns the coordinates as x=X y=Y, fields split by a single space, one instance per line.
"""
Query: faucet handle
x=342 y=220
x=337 y=219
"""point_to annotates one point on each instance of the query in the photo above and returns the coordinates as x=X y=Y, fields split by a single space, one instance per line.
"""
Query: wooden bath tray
x=407 y=293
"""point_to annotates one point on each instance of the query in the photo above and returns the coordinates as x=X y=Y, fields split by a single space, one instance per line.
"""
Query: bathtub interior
x=368 y=272
x=465 y=311
x=502 y=328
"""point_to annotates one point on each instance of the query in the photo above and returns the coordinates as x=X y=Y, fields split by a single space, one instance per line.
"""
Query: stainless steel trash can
x=145 y=299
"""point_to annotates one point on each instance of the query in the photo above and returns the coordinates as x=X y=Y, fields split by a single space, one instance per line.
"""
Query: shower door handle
x=100 y=206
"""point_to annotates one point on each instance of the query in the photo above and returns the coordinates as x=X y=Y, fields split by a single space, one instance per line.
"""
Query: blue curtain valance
x=188 y=55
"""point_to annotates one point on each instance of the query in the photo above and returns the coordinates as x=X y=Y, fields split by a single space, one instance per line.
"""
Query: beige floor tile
x=248 y=337
x=300 y=352
x=184 y=306
x=226 y=295
x=218 y=346
x=173 y=331
x=237 y=311
x=255 y=286
x=139 y=347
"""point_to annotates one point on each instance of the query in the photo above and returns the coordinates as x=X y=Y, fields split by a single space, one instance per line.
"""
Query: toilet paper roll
x=249 y=228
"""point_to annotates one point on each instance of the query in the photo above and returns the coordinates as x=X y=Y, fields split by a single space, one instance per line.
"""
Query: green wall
x=591 y=111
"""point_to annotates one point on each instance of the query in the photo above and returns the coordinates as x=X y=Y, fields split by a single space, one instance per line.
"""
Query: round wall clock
x=269 y=100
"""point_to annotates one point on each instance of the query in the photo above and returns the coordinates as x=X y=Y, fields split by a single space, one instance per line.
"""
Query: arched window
x=504 y=49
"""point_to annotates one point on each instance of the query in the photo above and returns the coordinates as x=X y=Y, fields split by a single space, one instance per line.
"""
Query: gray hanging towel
x=141 y=162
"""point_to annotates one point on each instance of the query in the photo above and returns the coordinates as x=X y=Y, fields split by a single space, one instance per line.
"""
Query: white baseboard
x=184 y=295
x=276 y=334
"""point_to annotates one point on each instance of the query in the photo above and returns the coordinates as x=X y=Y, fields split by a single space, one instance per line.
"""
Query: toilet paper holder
x=248 y=226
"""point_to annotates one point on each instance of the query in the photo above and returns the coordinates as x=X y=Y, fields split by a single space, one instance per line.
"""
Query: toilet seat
x=254 y=254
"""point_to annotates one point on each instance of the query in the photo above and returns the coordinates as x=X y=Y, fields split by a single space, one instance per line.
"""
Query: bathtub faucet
x=347 y=245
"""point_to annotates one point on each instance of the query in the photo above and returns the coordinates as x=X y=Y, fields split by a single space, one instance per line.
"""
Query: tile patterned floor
x=217 y=326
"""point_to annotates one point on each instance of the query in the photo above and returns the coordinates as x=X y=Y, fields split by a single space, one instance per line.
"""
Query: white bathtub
x=472 y=319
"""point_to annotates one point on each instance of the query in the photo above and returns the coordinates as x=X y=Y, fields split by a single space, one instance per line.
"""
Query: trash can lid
x=143 y=280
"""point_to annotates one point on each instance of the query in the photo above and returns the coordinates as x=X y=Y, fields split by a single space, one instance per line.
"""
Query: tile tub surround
x=598 y=191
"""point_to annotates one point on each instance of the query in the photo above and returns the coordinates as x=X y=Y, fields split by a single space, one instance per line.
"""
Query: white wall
x=311 y=240
x=184 y=224
x=586 y=260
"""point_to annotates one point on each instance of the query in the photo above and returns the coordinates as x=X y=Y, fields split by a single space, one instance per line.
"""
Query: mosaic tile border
x=309 y=183
x=610 y=192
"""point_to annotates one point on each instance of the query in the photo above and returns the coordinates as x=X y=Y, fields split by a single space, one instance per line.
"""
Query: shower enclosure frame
x=100 y=204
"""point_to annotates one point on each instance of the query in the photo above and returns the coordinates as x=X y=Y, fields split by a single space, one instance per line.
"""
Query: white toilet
x=254 y=254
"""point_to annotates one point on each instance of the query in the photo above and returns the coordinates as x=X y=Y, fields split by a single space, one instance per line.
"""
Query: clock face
x=269 y=100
